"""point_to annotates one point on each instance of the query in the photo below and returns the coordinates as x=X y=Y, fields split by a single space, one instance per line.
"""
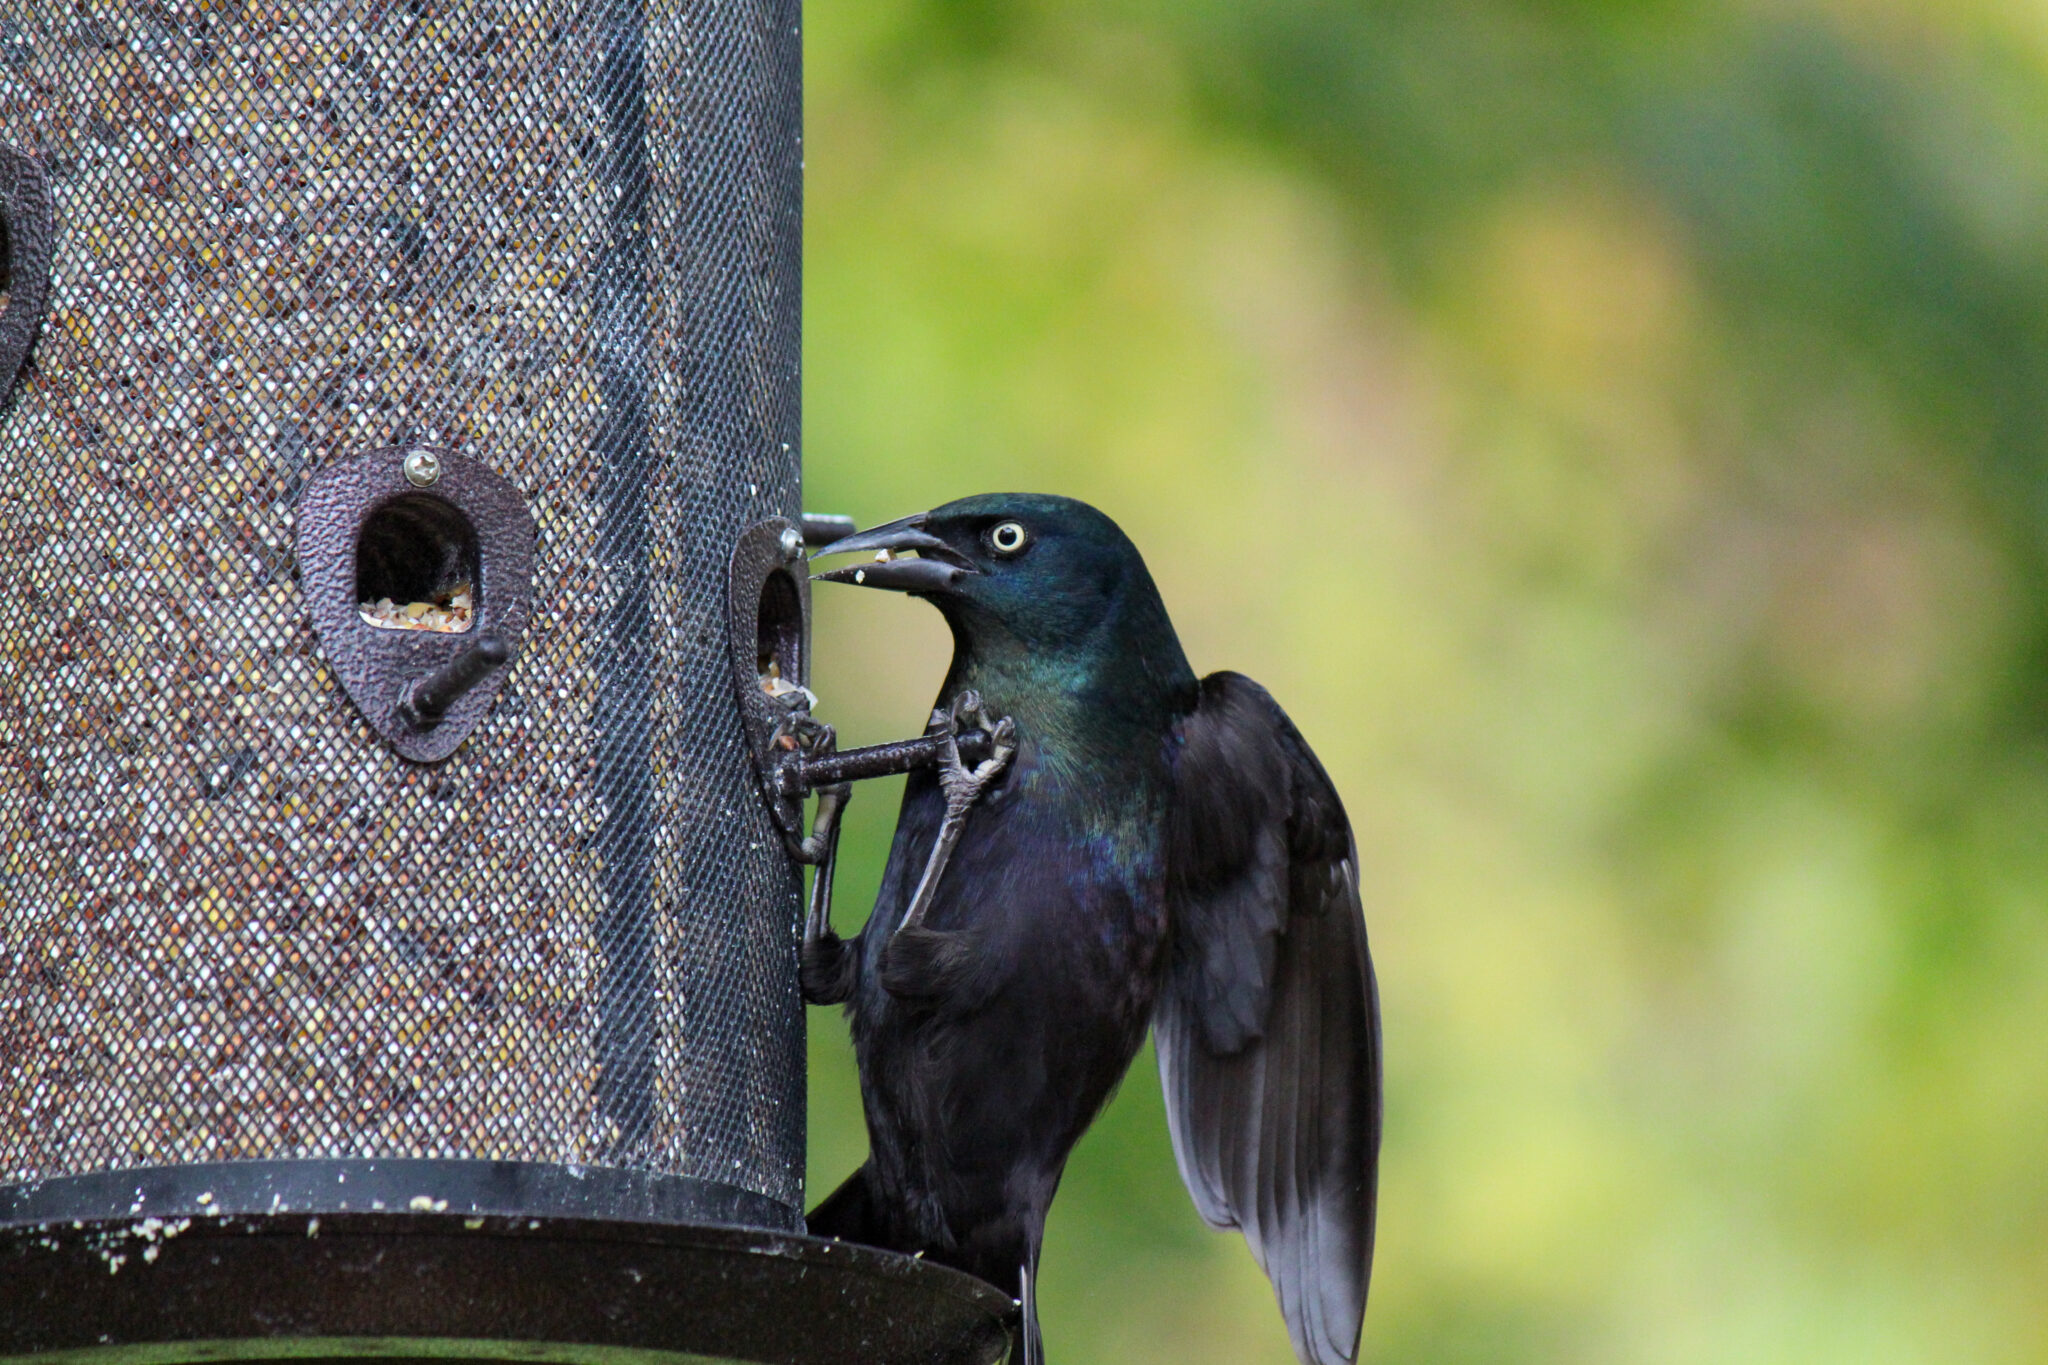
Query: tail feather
x=850 y=1213
x=1030 y=1348
x=853 y=1213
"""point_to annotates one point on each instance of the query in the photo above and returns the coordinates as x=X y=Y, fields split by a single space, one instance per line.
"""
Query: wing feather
x=1268 y=1024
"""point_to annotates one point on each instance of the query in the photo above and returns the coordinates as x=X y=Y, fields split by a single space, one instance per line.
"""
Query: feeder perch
x=401 y=588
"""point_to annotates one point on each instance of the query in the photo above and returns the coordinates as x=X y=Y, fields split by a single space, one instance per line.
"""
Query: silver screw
x=422 y=467
x=792 y=544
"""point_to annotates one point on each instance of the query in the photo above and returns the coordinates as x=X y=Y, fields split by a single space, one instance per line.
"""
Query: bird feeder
x=399 y=529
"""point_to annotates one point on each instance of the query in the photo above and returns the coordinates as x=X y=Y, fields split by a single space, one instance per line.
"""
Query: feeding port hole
x=778 y=635
x=417 y=566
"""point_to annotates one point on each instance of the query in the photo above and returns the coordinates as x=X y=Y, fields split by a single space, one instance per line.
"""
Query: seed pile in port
x=448 y=612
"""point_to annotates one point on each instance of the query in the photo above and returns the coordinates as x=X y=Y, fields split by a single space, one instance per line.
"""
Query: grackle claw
x=963 y=785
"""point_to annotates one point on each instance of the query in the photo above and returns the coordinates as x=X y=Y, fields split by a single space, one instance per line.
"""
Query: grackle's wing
x=1268 y=1022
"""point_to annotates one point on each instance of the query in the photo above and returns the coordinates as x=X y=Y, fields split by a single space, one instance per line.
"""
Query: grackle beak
x=938 y=565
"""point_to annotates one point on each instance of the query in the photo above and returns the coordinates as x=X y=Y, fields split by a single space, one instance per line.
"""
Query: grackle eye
x=1007 y=538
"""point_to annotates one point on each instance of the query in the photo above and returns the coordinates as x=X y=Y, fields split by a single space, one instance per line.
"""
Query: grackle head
x=1029 y=570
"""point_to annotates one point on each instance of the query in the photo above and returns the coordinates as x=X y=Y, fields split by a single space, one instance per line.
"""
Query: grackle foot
x=962 y=787
x=826 y=968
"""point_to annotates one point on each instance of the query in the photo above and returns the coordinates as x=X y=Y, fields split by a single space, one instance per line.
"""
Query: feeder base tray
x=431 y=1286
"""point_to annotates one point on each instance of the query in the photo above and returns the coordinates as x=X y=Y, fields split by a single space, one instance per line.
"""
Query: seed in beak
x=883 y=555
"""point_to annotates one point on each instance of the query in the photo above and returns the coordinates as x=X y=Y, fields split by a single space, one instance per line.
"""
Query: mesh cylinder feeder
x=400 y=583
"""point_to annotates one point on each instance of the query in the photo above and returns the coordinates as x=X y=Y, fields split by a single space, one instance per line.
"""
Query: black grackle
x=1142 y=847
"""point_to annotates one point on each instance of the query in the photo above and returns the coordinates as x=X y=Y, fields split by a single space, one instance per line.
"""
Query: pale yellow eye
x=1007 y=538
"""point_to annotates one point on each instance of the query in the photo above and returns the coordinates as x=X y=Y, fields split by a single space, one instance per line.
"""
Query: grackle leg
x=962 y=787
x=825 y=962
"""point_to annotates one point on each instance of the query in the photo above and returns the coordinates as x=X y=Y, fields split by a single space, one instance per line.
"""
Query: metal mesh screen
x=560 y=238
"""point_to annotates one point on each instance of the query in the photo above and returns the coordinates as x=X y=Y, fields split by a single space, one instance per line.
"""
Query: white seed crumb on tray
x=449 y=612
x=775 y=685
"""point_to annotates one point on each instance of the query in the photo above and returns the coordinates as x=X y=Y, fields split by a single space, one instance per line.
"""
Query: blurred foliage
x=1618 y=432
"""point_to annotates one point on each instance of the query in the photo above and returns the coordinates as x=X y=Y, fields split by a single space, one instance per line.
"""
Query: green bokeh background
x=1618 y=433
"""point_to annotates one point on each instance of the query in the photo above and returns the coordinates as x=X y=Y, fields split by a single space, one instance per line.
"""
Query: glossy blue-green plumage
x=1158 y=843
